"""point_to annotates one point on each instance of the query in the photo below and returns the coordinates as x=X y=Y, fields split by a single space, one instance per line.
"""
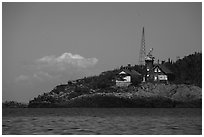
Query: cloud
x=42 y=75
x=22 y=78
x=67 y=59
x=65 y=66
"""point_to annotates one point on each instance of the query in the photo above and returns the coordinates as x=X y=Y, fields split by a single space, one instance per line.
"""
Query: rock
x=163 y=90
x=143 y=93
x=187 y=93
x=147 y=95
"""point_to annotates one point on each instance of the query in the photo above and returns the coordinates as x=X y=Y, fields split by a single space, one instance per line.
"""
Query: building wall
x=127 y=78
x=159 y=76
x=125 y=82
x=122 y=84
x=149 y=65
x=156 y=76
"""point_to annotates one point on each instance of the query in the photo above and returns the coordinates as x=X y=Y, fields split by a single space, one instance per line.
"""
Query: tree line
x=187 y=70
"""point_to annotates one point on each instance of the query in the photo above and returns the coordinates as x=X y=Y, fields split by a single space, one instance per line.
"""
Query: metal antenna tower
x=142 y=49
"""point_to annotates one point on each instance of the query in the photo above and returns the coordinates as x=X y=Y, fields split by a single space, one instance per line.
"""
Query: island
x=102 y=91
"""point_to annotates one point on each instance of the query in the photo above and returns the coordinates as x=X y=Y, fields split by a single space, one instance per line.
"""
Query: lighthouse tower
x=149 y=60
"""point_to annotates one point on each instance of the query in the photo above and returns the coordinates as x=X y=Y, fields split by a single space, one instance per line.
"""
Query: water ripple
x=105 y=122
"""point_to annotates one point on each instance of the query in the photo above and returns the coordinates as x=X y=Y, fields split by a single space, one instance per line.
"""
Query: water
x=106 y=121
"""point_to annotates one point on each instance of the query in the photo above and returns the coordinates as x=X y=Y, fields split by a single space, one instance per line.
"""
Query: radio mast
x=142 y=50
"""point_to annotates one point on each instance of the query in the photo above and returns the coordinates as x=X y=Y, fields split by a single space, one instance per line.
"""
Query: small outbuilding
x=126 y=77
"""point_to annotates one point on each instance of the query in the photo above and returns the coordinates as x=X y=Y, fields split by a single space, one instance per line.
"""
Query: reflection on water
x=104 y=121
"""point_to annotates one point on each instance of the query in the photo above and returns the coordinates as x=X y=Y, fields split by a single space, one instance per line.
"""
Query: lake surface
x=105 y=121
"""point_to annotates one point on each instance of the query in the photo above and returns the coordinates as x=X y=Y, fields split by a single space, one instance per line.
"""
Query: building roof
x=131 y=72
x=163 y=68
x=134 y=72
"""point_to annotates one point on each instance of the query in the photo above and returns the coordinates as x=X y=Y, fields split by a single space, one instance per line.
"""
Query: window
x=162 y=77
x=159 y=70
x=147 y=75
x=155 y=78
x=147 y=69
x=155 y=70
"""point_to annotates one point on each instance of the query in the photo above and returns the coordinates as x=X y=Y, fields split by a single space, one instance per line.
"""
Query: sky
x=47 y=44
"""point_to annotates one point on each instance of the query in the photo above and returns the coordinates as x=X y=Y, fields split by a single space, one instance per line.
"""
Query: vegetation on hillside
x=187 y=70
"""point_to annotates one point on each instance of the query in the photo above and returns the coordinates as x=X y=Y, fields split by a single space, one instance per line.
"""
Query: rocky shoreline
x=146 y=95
